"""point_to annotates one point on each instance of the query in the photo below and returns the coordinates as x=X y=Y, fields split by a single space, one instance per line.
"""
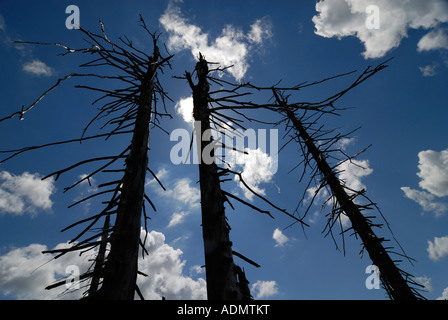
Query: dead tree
x=225 y=280
x=221 y=272
x=135 y=107
x=317 y=145
x=133 y=110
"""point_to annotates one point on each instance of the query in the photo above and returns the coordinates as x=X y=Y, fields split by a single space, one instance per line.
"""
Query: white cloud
x=314 y=217
x=184 y=192
x=165 y=268
x=185 y=108
x=341 y=18
x=161 y=174
x=264 y=289
x=352 y=172
x=444 y=295
x=260 y=30
x=426 y=282
x=186 y=197
x=438 y=249
x=8 y=37
x=429 y=70
x=434 y=40
x=89 y=182
x=230 y=48
x=320 y=197
x=181 y=190
x=425 y=200
x=38 y=68
x=26 y=193
x=25 y=272
x=279 y=238
x=257 y=168
x=433 y=173
x=197 y=269
x=177 y=218
x=344 y=143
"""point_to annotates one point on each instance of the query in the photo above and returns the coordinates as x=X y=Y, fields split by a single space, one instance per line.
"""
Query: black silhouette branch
x=129 y=109
x=316 y=145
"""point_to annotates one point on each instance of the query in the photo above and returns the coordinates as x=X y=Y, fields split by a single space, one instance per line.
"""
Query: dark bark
x=224 y=279
x=124 y=107
x=120 y=272
x=391 y=276
x=100 y=258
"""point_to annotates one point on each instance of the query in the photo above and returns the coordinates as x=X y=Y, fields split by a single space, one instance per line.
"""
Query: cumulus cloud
x=25 y=193
x=185 y=193
x=25 y=272
x=258 y=167
x=433 y=174
x=444 y=295
x=342 y=18
x=352 y=172
x=161 y=174
x=232 y=47
x=185 y=109
x=180 y=190
x=264 y=289
x=279 y=237
x=38 y=68
x=426 y=200
x=434 y=40
x=165 y=270
x=181 y=193
x=344 y=143
x=438 y=249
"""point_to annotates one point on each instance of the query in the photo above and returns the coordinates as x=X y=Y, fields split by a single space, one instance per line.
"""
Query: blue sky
x=402 y=111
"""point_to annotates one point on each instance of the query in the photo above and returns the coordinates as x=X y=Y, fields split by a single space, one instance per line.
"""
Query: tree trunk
x=100 y=258
x=223 y=282
x=120 y=273
x=392 y=279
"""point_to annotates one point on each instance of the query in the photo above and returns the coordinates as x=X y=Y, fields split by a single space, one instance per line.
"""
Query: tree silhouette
x=134 y=108
x=318 y=146
x=225 y=280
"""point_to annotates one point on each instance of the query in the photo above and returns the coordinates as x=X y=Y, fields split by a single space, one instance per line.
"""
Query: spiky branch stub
x=222 y=280
x=317 y=146
x=132 y=109
x=225 y=280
